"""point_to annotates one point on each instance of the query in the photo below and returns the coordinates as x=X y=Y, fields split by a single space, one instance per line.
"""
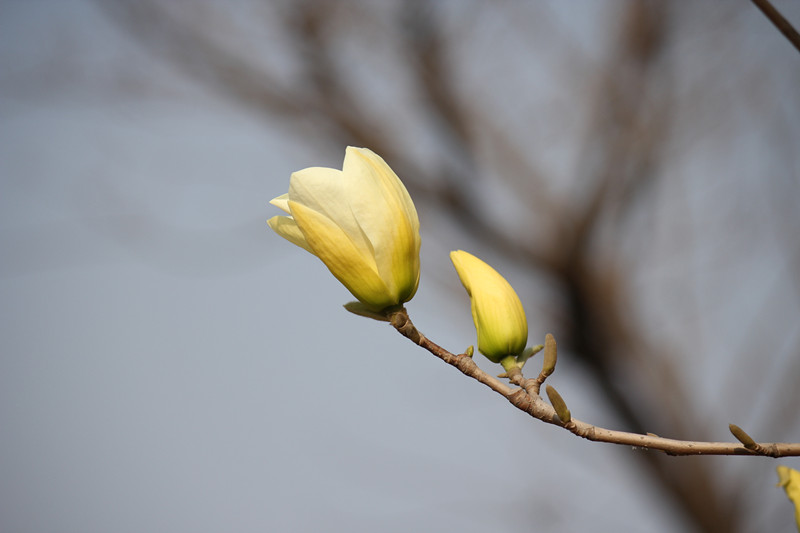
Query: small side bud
x=550 y=355
x=469 y=351
x=558 y=404
x=743 y=437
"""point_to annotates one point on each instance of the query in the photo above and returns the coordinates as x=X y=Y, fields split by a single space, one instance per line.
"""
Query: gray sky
x=167 y=363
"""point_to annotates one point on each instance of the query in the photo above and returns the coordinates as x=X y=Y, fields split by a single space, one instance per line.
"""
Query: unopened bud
x=558 y=404
x=550 y=355
x=743 y=437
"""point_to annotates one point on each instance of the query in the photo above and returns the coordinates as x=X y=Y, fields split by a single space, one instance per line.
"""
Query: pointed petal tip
x=281 y=202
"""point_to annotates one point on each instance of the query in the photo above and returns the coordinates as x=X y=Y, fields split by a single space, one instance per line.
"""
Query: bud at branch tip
x=550 y=355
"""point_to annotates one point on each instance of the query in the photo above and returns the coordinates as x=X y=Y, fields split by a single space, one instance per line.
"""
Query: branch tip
x=550 y=356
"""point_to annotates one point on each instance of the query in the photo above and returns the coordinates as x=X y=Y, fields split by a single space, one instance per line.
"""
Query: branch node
x=586 y=432
x=521 y=400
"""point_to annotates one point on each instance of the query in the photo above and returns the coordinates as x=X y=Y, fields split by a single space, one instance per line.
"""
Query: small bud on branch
x=550 y=355
x=743 y=437
x=559 y=404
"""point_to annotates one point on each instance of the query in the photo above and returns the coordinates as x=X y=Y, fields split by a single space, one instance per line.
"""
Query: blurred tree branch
x=779 y=21
x=587 y=244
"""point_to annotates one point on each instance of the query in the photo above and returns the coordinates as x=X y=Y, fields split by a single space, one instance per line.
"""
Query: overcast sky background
x=167 y=363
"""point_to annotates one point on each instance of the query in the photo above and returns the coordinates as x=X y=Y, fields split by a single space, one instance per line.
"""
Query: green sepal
x=527 y=353
x=357 y=308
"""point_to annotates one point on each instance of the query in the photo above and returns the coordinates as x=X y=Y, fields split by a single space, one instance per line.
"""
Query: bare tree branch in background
x=779 y=21
x=586 y=242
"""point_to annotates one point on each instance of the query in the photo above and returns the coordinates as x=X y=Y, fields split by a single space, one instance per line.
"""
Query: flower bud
x=496 y=310
x=361 y=222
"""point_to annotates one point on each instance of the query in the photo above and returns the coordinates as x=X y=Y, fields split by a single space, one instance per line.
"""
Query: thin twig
x=779 y=21
x=525 y=397
x=463 y=362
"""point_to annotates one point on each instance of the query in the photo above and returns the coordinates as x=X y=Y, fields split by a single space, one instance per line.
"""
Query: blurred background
x=167 y=363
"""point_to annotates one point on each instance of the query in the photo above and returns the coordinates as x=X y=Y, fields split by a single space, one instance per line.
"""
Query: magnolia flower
x=789 y=479
x=496 y=310
x=361 y=222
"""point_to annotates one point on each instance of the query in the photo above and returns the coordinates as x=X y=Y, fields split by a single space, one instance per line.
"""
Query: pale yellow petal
x=341 y=255
x=372 y=168
x=383 y=209
x=496 y=310
x=323 y=190
x=287 y=228
x=789 y=479
x=281 y=202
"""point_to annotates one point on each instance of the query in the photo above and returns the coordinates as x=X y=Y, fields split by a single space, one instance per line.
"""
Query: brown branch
x=526 y=398
x=779 y=21
x=402 y=323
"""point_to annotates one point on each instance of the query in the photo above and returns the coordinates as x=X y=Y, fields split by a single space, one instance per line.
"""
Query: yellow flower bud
x=361 y=222
x=789 y=479
x=496 y=310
